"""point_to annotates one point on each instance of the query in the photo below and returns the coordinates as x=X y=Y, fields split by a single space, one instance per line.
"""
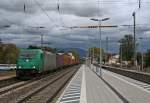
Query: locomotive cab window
x=27 y=55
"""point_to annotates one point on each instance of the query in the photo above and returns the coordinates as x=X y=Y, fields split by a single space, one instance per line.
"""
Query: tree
x=33 y=47
x=127 y=48
x=1 y=41
x=139 y=58
x=96 y=53
x=147 y=58
x=8 y=53
x=75 y=54
x=53 y=50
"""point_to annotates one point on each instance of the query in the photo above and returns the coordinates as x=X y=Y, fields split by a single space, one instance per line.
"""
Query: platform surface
x=88 y=87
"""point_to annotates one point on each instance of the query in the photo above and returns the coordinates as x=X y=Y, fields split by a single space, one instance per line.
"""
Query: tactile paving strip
x=73 y=91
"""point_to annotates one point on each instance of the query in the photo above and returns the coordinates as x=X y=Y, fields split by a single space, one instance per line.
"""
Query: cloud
x=23 y=28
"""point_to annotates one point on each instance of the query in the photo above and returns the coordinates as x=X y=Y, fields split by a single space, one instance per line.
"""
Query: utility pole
x=106 y=56
x=134 y=30
x=121 y=47
x=42 y=41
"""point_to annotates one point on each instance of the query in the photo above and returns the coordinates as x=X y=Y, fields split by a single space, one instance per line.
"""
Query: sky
x=22 y=27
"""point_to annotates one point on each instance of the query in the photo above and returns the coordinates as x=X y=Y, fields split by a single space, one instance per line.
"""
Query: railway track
x=7 y=82
x=13 y=83
x=29 y=91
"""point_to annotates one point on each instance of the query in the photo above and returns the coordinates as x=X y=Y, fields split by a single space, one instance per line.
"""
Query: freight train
x=32 y=62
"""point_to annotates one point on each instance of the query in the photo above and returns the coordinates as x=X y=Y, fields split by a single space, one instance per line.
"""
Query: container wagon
x=66 y=59
x=72 y=59
x=60 y=63
x=34 y=61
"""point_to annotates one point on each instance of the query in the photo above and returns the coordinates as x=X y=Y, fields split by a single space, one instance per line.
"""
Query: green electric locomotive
x=34 y=61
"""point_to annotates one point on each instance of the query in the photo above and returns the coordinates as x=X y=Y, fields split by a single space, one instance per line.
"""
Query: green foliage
x=34 y=47
x=75 y=54
x=96 y=52
x=139 y=58
x=147 y=58
x=8 y=53
x=127 y=47
x=0 y=41
x=53 y=50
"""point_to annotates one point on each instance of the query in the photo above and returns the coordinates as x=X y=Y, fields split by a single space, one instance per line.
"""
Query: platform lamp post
x=100 y=42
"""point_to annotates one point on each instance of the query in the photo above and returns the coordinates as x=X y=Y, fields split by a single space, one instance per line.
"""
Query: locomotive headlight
x=27 y=60
x=34 y=67
x=19 y=67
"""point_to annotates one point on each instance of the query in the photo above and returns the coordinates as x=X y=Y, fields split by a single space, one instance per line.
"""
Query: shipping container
x=66 y=59
x=60 y=63
x=49 y=61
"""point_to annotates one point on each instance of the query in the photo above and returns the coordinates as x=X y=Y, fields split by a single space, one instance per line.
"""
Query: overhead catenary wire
x=104 y=2
x=59 y=6
x=23 y=27
x=118 y=3
x=60 y=14
x=135 y=11
x=12 y=22
x=44 y=11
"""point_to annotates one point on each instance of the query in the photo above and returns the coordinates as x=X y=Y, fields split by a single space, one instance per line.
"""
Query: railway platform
x=88 y=87
x=92 y=89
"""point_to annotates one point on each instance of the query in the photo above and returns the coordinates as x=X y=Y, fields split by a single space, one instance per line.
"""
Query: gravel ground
x=7 y=74
x=60 y=92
